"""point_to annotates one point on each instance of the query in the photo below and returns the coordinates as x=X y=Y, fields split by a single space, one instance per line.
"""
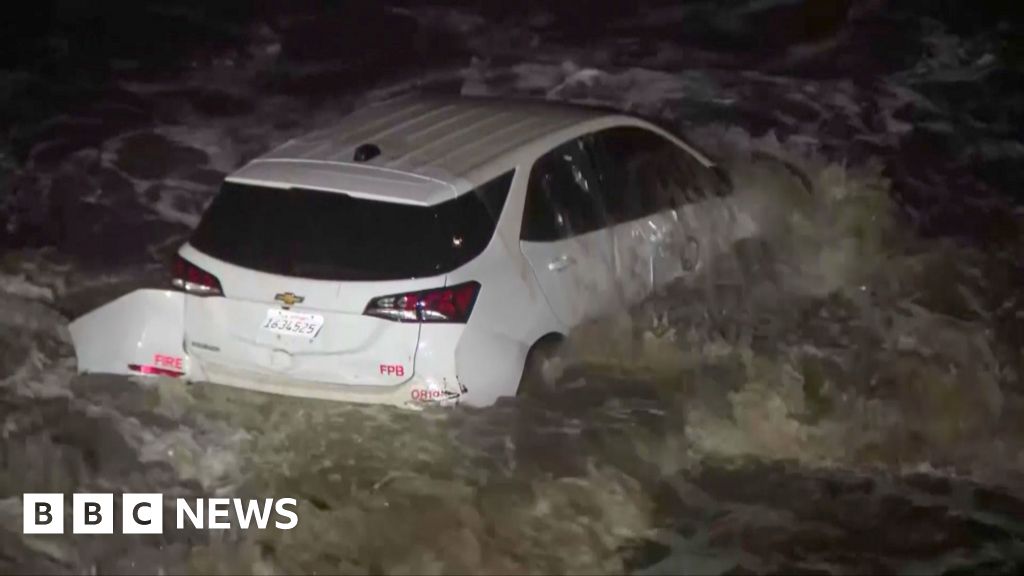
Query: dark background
x=67 y=45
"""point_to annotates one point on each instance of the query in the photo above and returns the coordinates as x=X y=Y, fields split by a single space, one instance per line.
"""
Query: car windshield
x=334 y=236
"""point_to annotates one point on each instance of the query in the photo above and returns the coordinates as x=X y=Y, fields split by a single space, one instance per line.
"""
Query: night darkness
x=842 y=393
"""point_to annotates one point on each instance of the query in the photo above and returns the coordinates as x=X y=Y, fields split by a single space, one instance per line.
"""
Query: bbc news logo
x=144 y=513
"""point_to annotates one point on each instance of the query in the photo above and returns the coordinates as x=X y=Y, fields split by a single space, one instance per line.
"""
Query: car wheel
x=542 y=370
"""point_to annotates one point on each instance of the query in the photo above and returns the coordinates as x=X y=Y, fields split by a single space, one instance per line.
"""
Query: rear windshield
x=334 y=236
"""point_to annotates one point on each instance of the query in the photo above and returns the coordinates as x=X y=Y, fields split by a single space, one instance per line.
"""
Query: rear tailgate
x=348 y=348
x=312 y=244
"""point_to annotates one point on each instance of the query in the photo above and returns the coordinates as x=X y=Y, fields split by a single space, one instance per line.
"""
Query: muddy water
x=840 y=393
x=813 y=399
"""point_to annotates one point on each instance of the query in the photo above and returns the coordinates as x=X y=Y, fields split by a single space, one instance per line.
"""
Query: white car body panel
x=634 y=263
x=528 y=289
x=577 y=275
x=143 y=328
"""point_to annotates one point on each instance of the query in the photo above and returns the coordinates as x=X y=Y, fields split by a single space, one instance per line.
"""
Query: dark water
x=840 y=394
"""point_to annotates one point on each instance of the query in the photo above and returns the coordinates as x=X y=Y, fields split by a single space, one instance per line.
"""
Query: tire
x=542 y=368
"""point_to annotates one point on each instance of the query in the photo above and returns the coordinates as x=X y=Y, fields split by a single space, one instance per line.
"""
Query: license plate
x=290 y=323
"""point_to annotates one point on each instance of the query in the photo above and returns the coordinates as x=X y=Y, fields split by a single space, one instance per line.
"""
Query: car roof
x=425 y=144
x=436 y=135
x=424 y=149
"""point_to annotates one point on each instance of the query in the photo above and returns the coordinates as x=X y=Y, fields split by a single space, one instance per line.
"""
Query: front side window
x=642 y=172
x=334 y=236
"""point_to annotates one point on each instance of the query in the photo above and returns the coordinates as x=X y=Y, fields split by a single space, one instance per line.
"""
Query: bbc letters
x=94 y=513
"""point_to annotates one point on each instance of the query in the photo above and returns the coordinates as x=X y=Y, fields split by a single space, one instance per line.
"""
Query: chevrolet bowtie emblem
x=288 y=299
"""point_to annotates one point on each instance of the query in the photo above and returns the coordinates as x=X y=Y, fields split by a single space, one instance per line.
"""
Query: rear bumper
x=433 y=381
x=415 y=393
x=142 y=334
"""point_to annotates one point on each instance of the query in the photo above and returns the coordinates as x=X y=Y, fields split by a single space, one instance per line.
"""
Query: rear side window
x=562 y=197
x=334 y=236
x=642 y=172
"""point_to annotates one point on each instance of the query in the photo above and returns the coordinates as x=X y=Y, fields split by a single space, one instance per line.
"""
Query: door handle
x=561 y=263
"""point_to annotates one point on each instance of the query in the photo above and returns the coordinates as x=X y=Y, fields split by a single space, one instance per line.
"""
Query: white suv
x=417 y=252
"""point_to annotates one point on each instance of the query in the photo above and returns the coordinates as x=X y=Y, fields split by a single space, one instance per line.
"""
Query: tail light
x=193 y=279
x=149 y=370
x=450 y=304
